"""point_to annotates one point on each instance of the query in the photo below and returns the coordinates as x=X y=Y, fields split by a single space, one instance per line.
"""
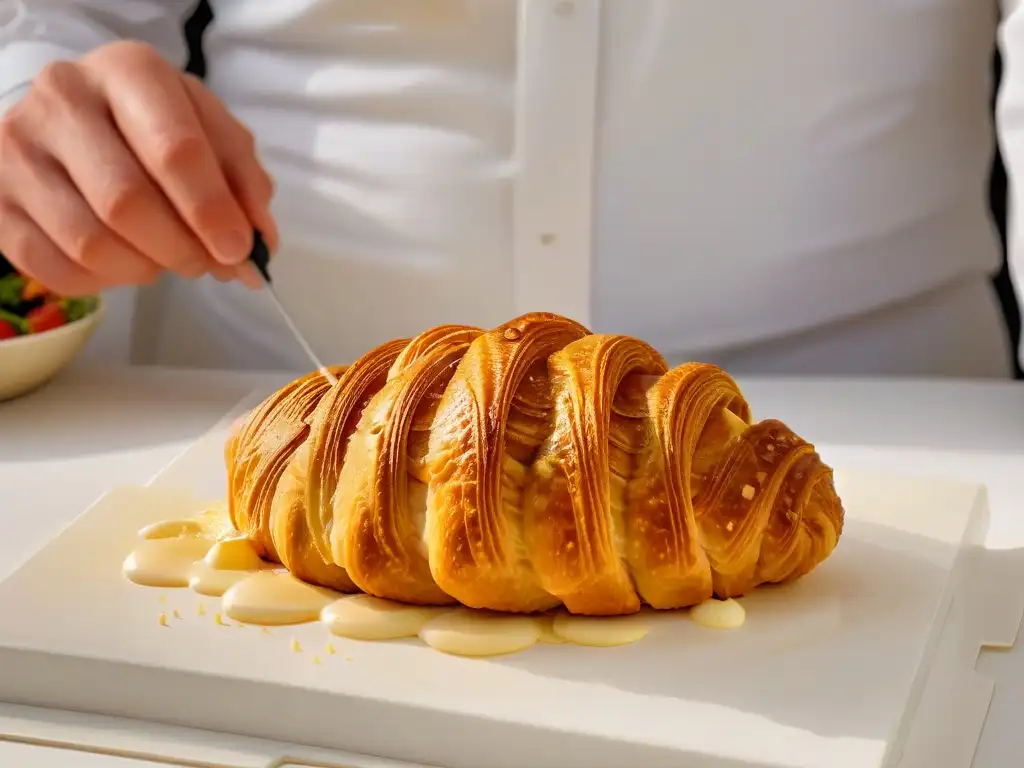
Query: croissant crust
x=526 y=467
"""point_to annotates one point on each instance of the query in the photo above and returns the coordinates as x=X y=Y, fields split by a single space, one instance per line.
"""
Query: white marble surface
x=94 y=429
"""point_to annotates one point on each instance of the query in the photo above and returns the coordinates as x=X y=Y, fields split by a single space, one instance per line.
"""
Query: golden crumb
x=202 y=610
x=266 y=630
x=316 y=659
x=176 y=614
x=163 y=619
x=295 y=646
x=748 y=492
x=330 y=649
x=218 y=619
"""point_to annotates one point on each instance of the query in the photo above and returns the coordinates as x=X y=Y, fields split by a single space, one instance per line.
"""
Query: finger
x=36 y=255
x=243 y=273
x=249 y=277
x=224 y=273
x=235 y=145
x=153 y=112
x=111 y=180
x=48 y=196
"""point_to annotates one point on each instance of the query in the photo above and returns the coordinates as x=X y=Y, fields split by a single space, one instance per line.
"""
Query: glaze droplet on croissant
x=529 y=466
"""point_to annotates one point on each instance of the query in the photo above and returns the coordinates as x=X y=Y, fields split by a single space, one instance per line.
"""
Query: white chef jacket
x=792 y=187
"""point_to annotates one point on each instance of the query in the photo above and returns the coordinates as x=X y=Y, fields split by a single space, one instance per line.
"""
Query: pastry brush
x=260 y=258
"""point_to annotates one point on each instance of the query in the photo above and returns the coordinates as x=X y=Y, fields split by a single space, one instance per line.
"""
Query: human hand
x=118 y=166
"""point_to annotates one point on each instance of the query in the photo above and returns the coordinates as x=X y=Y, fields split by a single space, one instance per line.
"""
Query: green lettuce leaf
x=77 y=308
x=19 y=324
x=11 y=287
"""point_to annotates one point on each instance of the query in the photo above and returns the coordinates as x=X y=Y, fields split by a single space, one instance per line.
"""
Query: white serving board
x=828 y=671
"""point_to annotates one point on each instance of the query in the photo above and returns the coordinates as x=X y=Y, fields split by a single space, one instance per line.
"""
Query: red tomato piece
x=45 y=318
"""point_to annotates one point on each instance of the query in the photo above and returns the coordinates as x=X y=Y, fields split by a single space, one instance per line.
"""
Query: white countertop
x=94 y=429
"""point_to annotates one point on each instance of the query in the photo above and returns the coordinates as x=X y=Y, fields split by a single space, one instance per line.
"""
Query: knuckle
x=59 y=82
x=174 y=152
x=118 y=203
x=89 y=245
x=59 y=93
x=13 y=145
x=124 y=53
x=57 y=76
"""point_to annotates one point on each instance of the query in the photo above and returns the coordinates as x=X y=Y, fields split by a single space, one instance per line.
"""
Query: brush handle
x=260 y=255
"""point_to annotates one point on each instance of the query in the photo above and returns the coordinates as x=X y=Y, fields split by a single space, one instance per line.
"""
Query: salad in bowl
x=40 y=332
x=28 y=307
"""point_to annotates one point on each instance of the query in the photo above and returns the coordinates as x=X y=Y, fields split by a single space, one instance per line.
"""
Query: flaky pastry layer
x=526 y=467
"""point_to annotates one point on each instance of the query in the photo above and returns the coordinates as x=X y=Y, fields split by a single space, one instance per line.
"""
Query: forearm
x=44 y=32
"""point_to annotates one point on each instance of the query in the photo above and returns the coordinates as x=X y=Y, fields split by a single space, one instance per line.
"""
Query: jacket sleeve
x=34 y=33
x=1010 y=129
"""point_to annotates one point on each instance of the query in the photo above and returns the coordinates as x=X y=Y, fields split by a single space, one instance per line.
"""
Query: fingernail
x=232 y=247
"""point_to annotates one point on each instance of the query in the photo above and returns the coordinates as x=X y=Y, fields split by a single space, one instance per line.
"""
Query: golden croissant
x=526 y=467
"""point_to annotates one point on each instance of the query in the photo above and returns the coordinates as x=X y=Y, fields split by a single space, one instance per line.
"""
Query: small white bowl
x=28 y=362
